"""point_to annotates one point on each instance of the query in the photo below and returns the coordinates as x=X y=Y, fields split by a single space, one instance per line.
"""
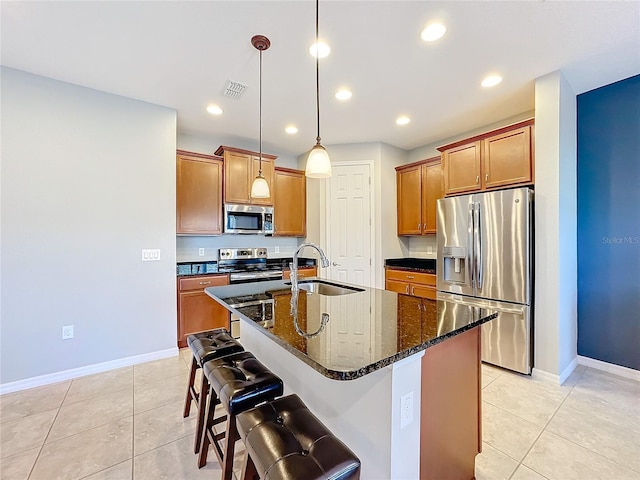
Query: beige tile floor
x=127 y=424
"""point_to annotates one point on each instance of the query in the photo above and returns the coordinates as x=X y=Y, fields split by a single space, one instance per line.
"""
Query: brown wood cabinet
x=417 y=284
x=290 y=203
x=462 y=168
x=302 y=273
x=197 y=311
x=198 y=194
x=419 y=185
x=495 y=159
x=240 y=168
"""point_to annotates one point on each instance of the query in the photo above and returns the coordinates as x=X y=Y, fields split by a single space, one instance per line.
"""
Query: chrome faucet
x=324 y=262
x=293 y=267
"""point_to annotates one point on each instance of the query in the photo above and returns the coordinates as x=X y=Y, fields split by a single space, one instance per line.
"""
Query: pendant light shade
x=260 y=187
x=318 y=161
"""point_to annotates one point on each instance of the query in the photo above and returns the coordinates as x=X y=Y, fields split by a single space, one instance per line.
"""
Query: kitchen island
x=397 y=378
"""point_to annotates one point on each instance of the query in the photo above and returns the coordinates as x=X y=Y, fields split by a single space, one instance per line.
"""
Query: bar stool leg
x=249 y=471
x=231 y=437
x=202 y=408
x=191 y=392
x=205 y=441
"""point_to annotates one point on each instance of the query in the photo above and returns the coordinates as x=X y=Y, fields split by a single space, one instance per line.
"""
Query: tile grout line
x=49 y=431
x=577 y=444
x=544 y=429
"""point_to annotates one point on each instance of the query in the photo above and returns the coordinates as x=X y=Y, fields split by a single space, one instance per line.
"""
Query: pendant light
x=260 y=187
x=318 y=162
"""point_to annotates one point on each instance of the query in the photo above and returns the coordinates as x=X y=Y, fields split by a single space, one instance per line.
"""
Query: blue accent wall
x=609 y=223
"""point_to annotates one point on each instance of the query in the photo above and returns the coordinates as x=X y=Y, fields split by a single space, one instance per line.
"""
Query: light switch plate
x=150 y=254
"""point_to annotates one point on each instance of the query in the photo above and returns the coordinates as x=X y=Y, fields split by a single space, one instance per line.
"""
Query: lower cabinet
x=302 y=272
x=197 y=311
x=417 y=284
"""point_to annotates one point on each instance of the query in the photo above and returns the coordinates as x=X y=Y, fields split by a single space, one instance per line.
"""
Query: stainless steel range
x=247 y=265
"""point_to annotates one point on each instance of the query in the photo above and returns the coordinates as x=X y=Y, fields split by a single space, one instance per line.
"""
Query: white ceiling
x=180 y=54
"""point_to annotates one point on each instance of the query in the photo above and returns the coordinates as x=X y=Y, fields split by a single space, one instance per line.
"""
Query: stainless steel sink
x=327 y=288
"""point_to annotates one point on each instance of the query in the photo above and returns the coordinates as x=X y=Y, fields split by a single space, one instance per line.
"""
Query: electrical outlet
x=150 y=254
x=406 y=410
x=201 y=252
x=67 y=332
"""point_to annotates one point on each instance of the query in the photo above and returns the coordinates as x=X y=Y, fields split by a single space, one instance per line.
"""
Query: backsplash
x=423 y=246
x=188 y=247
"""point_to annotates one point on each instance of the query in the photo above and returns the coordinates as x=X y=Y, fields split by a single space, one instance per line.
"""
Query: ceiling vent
x=234 y=89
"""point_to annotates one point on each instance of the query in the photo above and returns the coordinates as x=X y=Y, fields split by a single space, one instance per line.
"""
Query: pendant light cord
x=260 y=167
x=317 y=73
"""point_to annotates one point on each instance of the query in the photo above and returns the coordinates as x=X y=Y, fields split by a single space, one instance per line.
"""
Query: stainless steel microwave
x=248 y=219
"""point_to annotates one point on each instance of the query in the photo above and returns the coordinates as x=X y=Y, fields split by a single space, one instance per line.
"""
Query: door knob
x=335 y=264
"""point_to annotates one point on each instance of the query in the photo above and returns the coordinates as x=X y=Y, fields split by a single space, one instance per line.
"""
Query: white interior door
x=349 y=224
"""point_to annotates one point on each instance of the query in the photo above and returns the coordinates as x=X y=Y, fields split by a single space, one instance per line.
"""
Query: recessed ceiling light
x=322 y=48
x=402 y=120
x=214 y=110
x=491 y=81
x=291 y=129
x=343 y=94
x=433 y=31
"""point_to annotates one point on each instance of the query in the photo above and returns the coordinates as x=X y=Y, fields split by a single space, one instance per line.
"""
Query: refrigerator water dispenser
x=455 y=259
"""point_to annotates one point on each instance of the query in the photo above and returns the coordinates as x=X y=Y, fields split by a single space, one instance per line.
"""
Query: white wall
x=188 y=246
x=88 y=180
x=555 y=225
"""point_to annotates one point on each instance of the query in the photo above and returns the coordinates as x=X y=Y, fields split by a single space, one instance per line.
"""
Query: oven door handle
x=256 y=275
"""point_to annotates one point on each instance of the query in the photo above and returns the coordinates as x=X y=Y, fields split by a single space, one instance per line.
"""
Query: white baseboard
x=552 y=377
x=625 y=372
x=546 y=376
x=83 y=371
x=612 y=368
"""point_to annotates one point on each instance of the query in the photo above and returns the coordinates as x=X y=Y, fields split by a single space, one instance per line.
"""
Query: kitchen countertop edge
x=354 y=374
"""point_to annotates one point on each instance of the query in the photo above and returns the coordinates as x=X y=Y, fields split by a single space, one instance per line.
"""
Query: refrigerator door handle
x=477 y=221
x=470 y=251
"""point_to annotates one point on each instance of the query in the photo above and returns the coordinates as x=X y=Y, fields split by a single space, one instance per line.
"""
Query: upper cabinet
x=240 y=168
x=419 y=185
x=290 y=203
x=198 y=194
x=492 y=160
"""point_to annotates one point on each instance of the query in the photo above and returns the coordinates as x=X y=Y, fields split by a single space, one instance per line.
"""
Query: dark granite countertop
x=426 y=265
x=366 y=330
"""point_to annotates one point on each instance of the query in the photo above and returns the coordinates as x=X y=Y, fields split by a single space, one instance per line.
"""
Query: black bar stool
x=240 y=382
x=205 y=346
x=285 y=440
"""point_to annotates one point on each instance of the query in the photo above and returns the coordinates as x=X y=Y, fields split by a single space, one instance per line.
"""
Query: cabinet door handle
x=419 y=226
x=413 y=290
x=407 y=289
x=486 y=177
x=205 y=283
x=477 y=179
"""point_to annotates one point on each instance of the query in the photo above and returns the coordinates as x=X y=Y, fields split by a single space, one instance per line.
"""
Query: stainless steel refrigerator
x=485 y=257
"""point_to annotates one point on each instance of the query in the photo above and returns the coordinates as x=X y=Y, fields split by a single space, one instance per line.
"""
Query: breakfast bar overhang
x=395 y=377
